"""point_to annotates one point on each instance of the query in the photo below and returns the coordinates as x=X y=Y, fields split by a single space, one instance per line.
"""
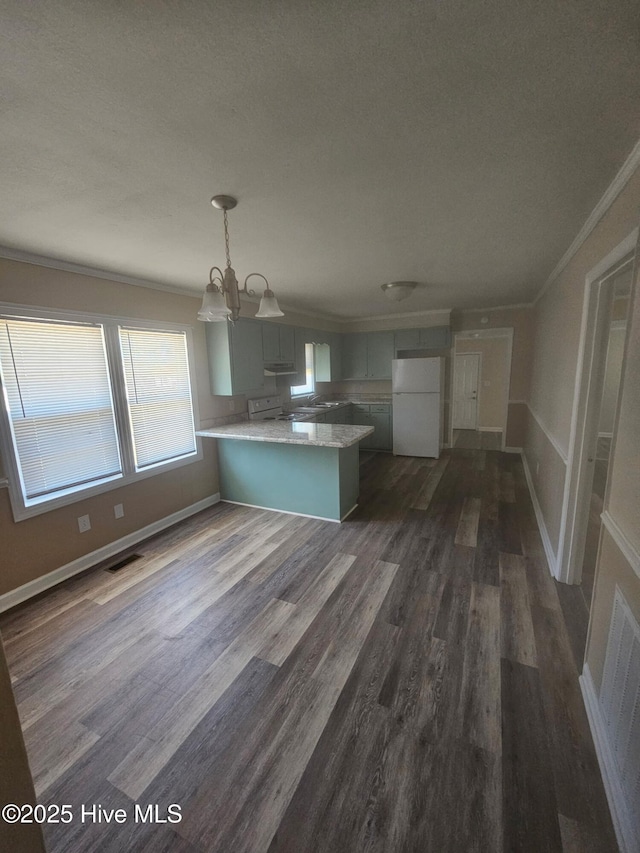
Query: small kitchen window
x=90 y=404
x=310 y=386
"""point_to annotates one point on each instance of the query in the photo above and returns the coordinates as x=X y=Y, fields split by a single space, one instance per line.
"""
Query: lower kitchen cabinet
x=377 y=415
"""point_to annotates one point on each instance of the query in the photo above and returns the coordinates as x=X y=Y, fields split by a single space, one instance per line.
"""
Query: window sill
x=22 y=512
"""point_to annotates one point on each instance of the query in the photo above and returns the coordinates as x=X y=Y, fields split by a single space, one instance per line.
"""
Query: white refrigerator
x=417 y=385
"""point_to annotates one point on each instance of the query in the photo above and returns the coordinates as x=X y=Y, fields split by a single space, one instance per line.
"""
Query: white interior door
x=465 y=390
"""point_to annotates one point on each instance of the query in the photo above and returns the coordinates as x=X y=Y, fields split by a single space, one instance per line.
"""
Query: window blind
x=156 y=370
x=57 y=389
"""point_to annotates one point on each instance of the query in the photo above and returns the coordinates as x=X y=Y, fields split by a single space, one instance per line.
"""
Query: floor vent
x=124 y=562
x=620 y=703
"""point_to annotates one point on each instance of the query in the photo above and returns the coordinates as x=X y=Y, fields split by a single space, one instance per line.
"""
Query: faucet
x=314 y=398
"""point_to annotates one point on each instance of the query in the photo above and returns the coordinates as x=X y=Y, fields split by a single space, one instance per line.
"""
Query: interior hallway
x=474 y=439
x=402 y=682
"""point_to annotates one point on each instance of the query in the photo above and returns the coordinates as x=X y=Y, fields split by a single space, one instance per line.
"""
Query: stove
x=270 y=409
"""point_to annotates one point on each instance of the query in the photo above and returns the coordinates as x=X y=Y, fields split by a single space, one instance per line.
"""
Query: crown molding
x=483 y=334
x=391 y=317
x=68 y=266
x=494 y=308
x=80 y=269
x=611 y=193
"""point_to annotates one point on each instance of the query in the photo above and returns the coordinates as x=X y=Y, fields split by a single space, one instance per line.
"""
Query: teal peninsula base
x=322 y=482
x=304 y=468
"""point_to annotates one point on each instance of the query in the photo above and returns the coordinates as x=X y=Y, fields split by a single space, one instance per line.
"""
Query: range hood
x=280 y=368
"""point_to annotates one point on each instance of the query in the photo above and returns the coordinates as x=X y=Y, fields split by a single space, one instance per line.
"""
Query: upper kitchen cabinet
x=335 y=356
x=367 y=355
x=236 y=359
x=433 y=337
x=278 y=343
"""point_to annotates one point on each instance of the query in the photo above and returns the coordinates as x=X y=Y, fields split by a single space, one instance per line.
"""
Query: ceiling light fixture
x=222 y=296
x=396 y=291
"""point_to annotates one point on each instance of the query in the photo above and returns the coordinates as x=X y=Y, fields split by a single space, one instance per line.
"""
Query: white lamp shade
x=214 y=308
x=396 y=291
x=269 y=306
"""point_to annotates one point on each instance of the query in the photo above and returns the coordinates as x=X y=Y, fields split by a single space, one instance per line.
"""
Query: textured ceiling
x=459 y=144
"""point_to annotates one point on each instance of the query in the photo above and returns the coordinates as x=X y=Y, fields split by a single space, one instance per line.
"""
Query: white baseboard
x=513 y=450
x=35 y=587
x=490 y=429
x=542 y=527
x=624 y=829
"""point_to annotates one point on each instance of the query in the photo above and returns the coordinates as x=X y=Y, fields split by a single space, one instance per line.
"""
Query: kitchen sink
x=329 y=405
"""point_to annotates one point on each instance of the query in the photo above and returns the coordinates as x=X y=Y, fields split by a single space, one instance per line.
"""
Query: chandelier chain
x=226 y=238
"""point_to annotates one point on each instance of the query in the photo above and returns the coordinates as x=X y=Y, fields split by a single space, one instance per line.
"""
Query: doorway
x=603 y=333
x=480 y=388
x=466 y=374
x=617 y=328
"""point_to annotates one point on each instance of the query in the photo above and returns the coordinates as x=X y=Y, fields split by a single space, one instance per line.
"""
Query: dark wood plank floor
x=402 y=682
x=472 y=439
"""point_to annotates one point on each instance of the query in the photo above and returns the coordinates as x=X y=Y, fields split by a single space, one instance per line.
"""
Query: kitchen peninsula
x=300 y=467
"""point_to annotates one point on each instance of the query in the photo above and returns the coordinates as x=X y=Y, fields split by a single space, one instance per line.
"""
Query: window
x=156 y=373
x=309 y=386
x=89 y=405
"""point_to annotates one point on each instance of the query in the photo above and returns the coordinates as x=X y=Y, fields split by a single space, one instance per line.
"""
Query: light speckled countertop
x=291 y=432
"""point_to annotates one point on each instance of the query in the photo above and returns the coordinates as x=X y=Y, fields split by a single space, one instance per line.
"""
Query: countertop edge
x=246 y=434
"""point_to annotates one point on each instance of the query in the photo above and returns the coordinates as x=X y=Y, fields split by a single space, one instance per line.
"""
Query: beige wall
x=40 y=544
x=517 y=419
x=558 y=316
x=493 y=379
x=623 y=504
x=520 y=319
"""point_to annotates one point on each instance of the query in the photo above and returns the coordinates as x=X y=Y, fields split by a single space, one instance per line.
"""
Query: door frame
x=473 y=334
x=457 y=355
x=588 y=385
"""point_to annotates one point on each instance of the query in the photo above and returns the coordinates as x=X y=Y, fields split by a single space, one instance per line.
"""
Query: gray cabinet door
x=336 y=356
x=247 y=360
x=407 y=339
x=360 y=415
x=287 y=343
x=354 y=356
x=381 y=439
x=271 y=342
x=436 y=337
x=278 y=342
x=379 y=355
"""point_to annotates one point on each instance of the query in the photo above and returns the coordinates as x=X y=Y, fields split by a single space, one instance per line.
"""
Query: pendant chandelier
x=222 y=297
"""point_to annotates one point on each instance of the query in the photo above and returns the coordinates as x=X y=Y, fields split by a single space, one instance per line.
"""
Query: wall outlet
x=84 y=523
x=230 y=406
x=118 y=511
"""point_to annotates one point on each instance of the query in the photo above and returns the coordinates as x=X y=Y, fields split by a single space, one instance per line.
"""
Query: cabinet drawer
x=360 y=409
x=380 y=407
